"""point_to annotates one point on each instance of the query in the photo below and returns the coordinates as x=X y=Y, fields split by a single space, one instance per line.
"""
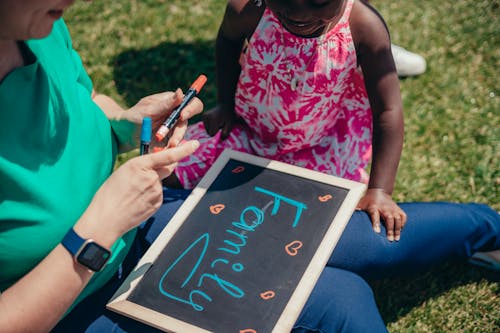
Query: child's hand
x=219 y=118
x=377 y=204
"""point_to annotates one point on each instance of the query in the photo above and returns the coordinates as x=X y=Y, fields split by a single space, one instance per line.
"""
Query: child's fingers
x=394 y=222
x=375 y=217
x=226 y=130
x=397 y=227
x=389 y=226
x=207 y=123
x=401 y=219
x=404 y=218
x=224 y=133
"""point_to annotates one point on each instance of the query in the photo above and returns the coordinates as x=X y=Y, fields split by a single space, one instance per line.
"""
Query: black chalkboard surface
x=243 y=252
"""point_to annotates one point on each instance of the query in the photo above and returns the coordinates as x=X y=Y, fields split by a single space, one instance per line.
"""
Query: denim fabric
x=342 y=300
x=435 y=232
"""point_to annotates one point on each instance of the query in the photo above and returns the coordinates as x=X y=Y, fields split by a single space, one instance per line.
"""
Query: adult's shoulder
x=61 y=30
x=58 y=40
x=241 y=18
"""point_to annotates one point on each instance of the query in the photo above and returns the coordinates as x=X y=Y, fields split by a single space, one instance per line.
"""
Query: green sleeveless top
x=56 y=149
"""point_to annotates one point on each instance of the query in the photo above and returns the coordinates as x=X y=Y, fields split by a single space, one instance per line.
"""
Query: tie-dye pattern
x=325 y=124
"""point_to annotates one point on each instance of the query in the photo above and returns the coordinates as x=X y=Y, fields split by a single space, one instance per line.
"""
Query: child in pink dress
x=310 y=83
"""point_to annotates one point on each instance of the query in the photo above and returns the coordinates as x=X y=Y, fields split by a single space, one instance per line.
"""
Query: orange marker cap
x=199 y=83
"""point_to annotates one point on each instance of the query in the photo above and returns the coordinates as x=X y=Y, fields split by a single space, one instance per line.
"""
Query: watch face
x=93 y=256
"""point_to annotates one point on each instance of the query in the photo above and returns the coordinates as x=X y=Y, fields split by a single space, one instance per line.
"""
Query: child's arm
x=373 y=48
x=239 y=22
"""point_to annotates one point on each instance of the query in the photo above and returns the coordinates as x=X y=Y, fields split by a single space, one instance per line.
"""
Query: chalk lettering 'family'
x=250 y=219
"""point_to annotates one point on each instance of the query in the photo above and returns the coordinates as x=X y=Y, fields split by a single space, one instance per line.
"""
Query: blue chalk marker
x=145 y=135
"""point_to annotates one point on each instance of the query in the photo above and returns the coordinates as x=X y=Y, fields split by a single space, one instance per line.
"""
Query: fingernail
x=377 y=229
x=195 y=144
x=397 y=238
x=390 y=238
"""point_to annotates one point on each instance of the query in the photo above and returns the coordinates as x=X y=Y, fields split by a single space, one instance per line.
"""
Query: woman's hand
x=130 y=195
x=159 y=106
x=377 y=203
x=219 y=118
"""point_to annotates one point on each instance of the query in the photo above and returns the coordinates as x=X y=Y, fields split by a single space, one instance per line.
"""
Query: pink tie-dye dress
x=303 y=102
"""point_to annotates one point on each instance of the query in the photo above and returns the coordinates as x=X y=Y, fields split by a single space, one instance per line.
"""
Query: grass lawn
x=452 y=118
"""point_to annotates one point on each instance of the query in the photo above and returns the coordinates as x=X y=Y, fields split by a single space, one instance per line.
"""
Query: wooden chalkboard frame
x=119 y=302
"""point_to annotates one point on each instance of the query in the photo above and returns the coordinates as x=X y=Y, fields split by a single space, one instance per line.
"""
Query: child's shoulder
x=367 y=24
x=240 y=4
x=242 y=17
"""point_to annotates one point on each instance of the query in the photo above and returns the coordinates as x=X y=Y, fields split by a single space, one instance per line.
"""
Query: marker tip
x=159 y=137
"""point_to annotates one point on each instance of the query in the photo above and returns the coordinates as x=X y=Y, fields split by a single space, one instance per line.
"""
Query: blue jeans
x=342 y=300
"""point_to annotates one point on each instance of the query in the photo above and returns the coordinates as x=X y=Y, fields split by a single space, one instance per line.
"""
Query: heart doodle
x=293 y=248
x=238 y=169
x=216 y=209
x=325 y=198
x=267 y=294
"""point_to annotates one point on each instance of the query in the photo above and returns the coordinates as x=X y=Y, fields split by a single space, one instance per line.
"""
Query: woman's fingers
x=177 y=134
x=164 y=162
x=165 y=171
x=193 y=108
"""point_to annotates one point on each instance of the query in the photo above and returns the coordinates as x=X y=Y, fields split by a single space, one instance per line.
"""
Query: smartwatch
x=85 y=251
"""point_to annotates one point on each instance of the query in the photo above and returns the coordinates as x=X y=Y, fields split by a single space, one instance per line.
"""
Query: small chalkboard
x=243 y=252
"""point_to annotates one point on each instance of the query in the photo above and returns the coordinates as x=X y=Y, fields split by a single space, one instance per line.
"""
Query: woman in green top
x=59 y=142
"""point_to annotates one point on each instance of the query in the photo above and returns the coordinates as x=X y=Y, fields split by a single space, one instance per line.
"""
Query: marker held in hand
x=145 y=135
x=174 y=116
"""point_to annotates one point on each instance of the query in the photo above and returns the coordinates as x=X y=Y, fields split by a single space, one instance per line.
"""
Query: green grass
x=452 y=118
